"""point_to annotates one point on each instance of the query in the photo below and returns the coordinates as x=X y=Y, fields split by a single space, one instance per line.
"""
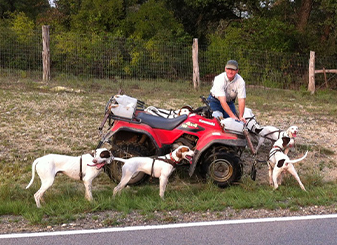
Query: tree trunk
x=304 y=14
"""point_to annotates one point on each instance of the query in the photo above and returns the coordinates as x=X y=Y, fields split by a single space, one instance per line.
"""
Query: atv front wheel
x=222 y=168
x=114 y=170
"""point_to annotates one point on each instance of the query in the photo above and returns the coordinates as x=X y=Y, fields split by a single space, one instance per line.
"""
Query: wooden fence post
x=196 y=75
x=45 y=53
x=311 y=85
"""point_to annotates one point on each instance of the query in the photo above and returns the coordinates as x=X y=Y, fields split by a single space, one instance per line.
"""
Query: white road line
x=168 y=226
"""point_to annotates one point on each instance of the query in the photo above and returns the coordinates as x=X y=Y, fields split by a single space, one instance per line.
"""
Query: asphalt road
x=306 y=230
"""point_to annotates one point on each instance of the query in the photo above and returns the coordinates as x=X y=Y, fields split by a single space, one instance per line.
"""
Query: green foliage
x=154 y=59
x=267 y=26
x=152 y=39
x=258 y=34
x=96 y=16
x=16 y=33
x=109 y=56
x=22 y=26
x=31 y=8
x=320 y=34
x=153 y=21
x=201 y=18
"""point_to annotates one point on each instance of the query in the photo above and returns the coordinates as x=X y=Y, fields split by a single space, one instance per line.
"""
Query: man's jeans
x=217 y=109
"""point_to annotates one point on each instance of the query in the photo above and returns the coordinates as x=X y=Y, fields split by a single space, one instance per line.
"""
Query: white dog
x=273 y=134
x=85 y=167
x=265 y=132
x=160 y=167
x=279 y=162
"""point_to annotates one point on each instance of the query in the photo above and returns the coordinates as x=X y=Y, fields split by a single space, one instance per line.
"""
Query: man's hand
x=242 y=119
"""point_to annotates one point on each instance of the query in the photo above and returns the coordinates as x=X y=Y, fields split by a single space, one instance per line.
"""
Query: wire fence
x=88 y=57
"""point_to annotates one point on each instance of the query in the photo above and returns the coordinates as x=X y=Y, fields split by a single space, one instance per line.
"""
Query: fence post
x=311 y=85
x=45 y=53
x=196 y=75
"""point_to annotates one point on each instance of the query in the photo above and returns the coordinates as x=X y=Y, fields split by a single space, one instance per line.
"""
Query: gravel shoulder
x=14 y=224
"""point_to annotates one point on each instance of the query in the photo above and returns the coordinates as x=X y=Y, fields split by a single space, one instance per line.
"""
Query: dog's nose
x=94 y=160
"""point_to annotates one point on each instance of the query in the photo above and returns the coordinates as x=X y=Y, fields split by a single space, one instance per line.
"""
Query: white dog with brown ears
x=160 y=167
x=272 y=133
x=85 y=167
x=279 y=162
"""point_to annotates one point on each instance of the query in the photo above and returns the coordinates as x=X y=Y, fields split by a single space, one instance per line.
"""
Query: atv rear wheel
x=126 y=150
x=222 y=168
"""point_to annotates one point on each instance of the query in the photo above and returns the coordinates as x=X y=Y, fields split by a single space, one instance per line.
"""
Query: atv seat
x=160 y=122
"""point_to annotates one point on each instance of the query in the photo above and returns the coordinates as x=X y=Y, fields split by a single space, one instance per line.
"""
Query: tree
x=31 y=8
x=200 y=18
x=304 y=14
x=22 y=26
x=152 y=20
x=320 y=34
x=65 y=10
x=98 y=15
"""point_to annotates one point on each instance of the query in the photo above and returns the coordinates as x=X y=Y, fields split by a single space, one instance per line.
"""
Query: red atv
x=136 y=131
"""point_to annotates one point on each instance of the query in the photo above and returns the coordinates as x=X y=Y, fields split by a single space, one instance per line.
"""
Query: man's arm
x=242 y=105
x=225 y=106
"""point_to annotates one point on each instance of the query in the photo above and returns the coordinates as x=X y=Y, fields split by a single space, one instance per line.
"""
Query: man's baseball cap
x=232 y=64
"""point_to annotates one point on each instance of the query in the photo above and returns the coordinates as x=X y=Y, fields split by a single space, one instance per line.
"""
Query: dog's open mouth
x=98 y=165
x=189 y=158
x=101 y=165
x=294 y=134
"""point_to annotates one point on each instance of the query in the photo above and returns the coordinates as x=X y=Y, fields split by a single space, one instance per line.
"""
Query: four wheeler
x=133 y=131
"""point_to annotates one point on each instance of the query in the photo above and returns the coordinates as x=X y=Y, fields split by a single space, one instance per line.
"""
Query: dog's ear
x=185 y=149
x=285 y=141
x=179 y=153
x=105 y=154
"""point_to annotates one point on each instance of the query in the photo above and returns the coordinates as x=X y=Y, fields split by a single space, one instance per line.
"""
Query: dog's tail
x=119 y=159
x=298 y=160
x=33 y=173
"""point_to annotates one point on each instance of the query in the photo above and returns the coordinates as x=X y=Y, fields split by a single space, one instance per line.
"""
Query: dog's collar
x=275 y=149
x=172 y=159
x=81 y=172
x=169 y=160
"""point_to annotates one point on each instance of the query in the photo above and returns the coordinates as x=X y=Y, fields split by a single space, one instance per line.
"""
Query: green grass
x=36 y=120
x=65 y=203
